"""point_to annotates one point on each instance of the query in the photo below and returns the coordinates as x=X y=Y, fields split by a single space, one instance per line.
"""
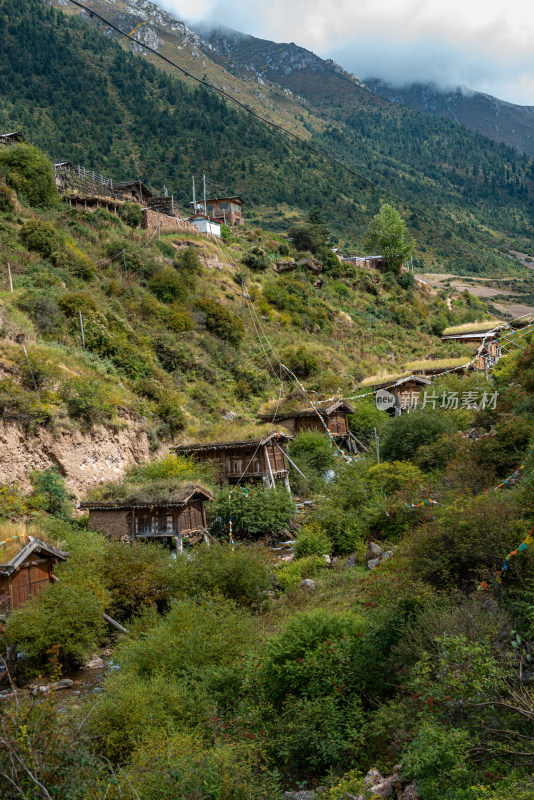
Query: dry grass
x=9 y=530
x=415 y=366
x=232 y=432
x=472 y=327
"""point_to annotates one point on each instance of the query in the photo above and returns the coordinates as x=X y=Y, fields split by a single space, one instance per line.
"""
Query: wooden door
x=29 y=580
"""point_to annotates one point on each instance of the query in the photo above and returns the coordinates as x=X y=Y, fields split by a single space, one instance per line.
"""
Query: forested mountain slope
x=505 y=122
x=82 y=97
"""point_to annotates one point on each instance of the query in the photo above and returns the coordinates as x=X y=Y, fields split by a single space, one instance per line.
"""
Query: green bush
x=168 y=286
x=409 y=431
x=255 y=511
x=44 y=312
x=393 y=476
x=365 y=419
x=30 y=173
x=65 y=615
x=137 y=578
x=313 y=450
x=301 y=359
x=91 y=402
x=222 y=322
x=179 y=320
x=240 y=574
x=72 y=259
x=131 y=214
x=40 y=236
x=256 y=259
x=312 y=541
x=437 y=759
x=50 y=493
x=291 y=574
x=73 y=302
x=7 y=198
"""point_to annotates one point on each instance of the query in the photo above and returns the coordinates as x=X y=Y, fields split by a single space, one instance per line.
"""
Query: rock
x=372 y=778
x=95 y=663
x=351 y=562
x=40 y=690
x=229 y=416
x=410 y=793
x=327 y=560
x=374 y=562
x=288 y=559
x=308 y=585
x=387 y=555
x=306 y=794
x=373 y=551
x=334 y=561
x=384 y=788
x=64 y=683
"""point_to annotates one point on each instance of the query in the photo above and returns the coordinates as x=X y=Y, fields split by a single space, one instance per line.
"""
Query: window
x=224 y=206
x=210 y=208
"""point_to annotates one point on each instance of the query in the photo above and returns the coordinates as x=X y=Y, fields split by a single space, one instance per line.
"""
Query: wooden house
x=260 y=459
x=171 y=514
x=133 y=192
x=8 y=139
x=27 y=572
x=325 y=417
x=227 y=210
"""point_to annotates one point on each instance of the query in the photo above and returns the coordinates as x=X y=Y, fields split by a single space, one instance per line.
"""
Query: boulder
x=306 y=794
x=410 y=793
x=373 y=551
x=229 y=416
x=64 y=683
x=327 y=560
x=308 y=585
x=95 y=663
x=387 y=555
x=351 y=561
x=372 y=778
x=374 y=562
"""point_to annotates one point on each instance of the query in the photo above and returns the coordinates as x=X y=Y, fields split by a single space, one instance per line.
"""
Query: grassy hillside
x=166 y=336
x=82 y=97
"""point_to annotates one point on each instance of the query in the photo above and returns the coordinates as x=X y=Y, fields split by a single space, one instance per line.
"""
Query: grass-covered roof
x=233 y=433
x=166 y=492
x=471 y=327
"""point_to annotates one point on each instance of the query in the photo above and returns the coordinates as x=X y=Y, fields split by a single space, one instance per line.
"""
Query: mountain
x=497 y=119
x=83 y=97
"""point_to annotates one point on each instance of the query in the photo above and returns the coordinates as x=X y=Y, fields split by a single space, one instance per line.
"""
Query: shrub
x=301 y=359
x=30 y=173
x=256 y=259
x=90 y=402
x=168 y=286
x=437 y=759
x=179 y=320
x=289 y=575
x=64 y=615
x=313 y=450
x=222 y=322
x=131 y=214
x=137 y=578
x=50 y=493
x=40 y=236
x=170 y=353
x=192 y=636
x=409 y=431
x=72 y=259
x=170 y=412
x=7 y=198
x=73 y=302
x=365 y=419
x=44 y=312
x=240 y=574
x=255 y=511
x=172 y=466
x=312 y=541
x=393 y=476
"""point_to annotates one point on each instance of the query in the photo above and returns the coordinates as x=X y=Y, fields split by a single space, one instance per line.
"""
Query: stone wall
x=112 y=523
x=163 y=205
x=151 y=221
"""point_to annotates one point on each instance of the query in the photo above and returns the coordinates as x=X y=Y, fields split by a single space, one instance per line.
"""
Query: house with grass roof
x=170 y=511
x=26 y=567
x=297 y=414
x=241 y=455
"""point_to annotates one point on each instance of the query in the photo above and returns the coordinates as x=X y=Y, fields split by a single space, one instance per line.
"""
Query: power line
x=223 y=93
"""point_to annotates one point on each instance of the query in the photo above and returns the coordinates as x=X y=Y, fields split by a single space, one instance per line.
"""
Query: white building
x=206 y=225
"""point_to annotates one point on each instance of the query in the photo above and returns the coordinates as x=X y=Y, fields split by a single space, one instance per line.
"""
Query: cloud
x=486 y=45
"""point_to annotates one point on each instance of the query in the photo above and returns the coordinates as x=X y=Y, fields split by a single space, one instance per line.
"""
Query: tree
x=389 y=236
x=30 y=173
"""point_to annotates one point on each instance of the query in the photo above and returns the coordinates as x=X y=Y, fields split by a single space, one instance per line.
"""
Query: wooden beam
x=291 y=462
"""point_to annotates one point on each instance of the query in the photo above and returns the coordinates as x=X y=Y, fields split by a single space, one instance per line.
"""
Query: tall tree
x=388 y=236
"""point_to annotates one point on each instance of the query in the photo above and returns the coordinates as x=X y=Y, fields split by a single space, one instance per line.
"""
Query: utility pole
x=81 y=328
x=31 y=370
x=124 y=263
x=205 y=207
x=10 y=277
x=194 y=197
x=377 y=448
x=140 y=191
x=242 y=292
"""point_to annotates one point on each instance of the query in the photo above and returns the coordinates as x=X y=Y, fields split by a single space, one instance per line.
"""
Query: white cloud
x=486 y=45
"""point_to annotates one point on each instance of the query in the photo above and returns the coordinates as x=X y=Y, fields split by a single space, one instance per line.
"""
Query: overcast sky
x=486 y=45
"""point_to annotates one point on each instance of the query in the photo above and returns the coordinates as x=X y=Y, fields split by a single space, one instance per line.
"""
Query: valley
x=267 y=457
